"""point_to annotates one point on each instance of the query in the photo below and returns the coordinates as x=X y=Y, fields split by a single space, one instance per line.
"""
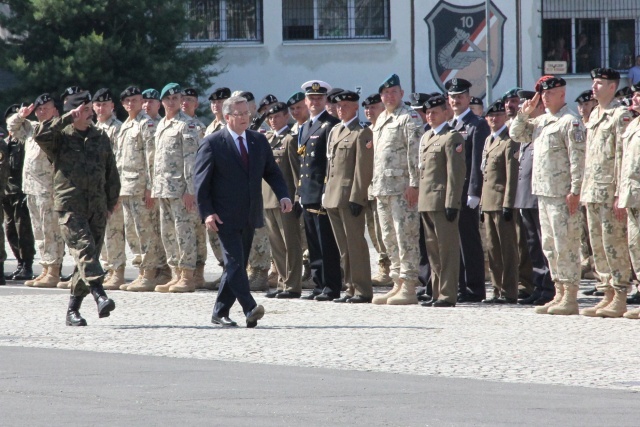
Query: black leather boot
x=73 y=314
x=3 y=281
x=18 y=270
x=26 y=273
x=105 y=305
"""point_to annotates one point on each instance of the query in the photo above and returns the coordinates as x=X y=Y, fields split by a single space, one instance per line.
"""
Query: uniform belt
x=317 y=211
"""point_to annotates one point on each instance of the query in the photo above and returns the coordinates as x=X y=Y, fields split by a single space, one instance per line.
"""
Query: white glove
x=473 y=201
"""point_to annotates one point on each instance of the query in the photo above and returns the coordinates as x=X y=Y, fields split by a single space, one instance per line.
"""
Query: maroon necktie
x=243 y=153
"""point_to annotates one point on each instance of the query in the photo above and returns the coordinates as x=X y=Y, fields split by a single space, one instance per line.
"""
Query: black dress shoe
x=542 y=300
x=428 y=303
x=425 y=297
x=469 y=298
x=223 y=321
x=309 y=297
x=443 y=303
x=492 y=300
x=254 y=315
x=288 y=295
x=272 y=294
x=591 y=291
x=359 y=299
x=105 y=306
x=505 y=300
x=324 y=297
x=343 y=299
x=522 y=294
x=530 y=299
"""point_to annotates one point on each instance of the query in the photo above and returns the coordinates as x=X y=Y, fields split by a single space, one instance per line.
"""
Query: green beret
x=295 y=98
x=170 y=89
x=150 y=94
x=392 y=80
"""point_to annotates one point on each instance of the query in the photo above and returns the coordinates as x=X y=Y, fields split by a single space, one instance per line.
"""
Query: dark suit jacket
x=474 y=130
x=313 y=167
x=224 y=187
x=525 y=199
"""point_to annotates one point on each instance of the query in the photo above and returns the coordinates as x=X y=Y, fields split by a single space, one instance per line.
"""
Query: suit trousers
x=502 y=251
x=354 y=250
x=17 y=226
x=471 y=278
x=324 y=255
x=541 y=273
x=610 y=247
x=424 y=271
x=441 y=238
x=525 y=266
x=284 y=237
x=234 y=283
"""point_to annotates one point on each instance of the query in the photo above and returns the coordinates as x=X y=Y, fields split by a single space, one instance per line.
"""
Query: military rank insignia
x=369 y=144
x=459 y=148
x=578 y=135
x=302 y=150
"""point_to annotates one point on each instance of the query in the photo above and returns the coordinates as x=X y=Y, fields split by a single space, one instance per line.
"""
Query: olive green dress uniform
x=284 y=228
x=500 y=182
x=350 y=170
x=442 y=174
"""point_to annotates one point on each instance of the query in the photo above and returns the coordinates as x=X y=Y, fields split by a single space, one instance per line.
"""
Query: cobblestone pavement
x=504 y=343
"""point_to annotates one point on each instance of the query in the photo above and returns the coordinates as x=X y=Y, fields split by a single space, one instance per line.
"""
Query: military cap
x=624 y=92
x=170 y=89
x=248 y=96
x=220 y=93
x=189 y=91
x=332 y=93
x=76 y=100
x=42 y=99
x=585 y=96
x=11 y=110
x=511 y=93
x=130 y=91
x=277 y=107
x=418 y=99
x=549 y=82
x=267 y=100
x=526 y=94
x=150 y=94
x=103 y=95
x=372 y=99
x=71 y=90
x=635 y=87
x=347 y=95
x=434 y=101
x=315 y=87
x=391 y=81
x=477 y=101
x=295 y=98
x=605 y=74
x=456 y=86
x=496 y=107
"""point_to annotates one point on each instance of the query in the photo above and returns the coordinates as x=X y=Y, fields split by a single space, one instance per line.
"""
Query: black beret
x=635 y=87
x=248 y=96
x=295 y=98
x=42 y=99
x=456 y=86
x=220 y=93
x=103 y=95
x=332 y=93
x=130 y=91
x=605 y=74
x=496 y=107
x=374 y=98
x=267 y=100
x=151 y=94
x=346 y=95
x=76 y=100
x=11 y=110
x=624 y=92
x=278 y=107
x=477 y=101
x=434 y=101
x=72 y=90
x=549 y=82
x=526 y=94
x=418 y=99
x=585 y=96
x=190 y=91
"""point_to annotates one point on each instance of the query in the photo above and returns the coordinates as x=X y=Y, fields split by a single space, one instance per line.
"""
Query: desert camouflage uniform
x=396 y=138
x=559 y=147
x=201 y=231
x=176 y=143
x=37 y=184
x=600 y=190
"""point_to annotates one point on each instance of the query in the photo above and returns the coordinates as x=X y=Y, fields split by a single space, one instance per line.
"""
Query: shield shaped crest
x=458 y=43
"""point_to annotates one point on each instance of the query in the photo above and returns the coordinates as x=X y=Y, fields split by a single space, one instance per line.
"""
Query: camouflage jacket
x=629 y=182
x=135 y=155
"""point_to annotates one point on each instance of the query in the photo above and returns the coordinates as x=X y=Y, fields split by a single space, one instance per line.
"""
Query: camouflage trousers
x=83 y=235
x=260 y=255
x=179 y=233
x=46 y=231
x=585 y=245
x=560 y=239
x=142 y=229
x=633 y=231
x=373 y=227
x=214 y=242
x=113 y=255
x=400 y=227
x=608 y=238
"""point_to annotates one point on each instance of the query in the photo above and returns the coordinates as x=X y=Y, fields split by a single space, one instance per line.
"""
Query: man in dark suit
x=324 y=256
x=230 y=166
x=474 y=130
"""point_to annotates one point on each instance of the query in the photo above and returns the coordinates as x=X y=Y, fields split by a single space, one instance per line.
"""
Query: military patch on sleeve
x=192 y=126
x=150 y=123
x=459 y=148
x=626 y=118
x=578 y=132
x=414 y=115
x=369 y=144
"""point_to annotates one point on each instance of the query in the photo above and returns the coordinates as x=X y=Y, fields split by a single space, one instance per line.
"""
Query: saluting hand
x=530 y=105
x=25 y=111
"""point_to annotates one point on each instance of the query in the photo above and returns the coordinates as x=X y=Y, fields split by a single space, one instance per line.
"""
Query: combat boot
x=198 y=276
x=74 y=318
x=382 y=299
x=50 y=280
x=163 y=275
x=568 y=306
x=26 y=273
x=15 y=272
x=632 y=314
x=382 y=277
x=591 y=311
x=175 y=277
x=125 y=286
x=116 y=280
x=405 y=296
x=40 y=277
x=105 y=304
x=544 y=309
x=258 y=279
x=146 y=284
x=64 y=284
x=186 y=282
x=617 y=307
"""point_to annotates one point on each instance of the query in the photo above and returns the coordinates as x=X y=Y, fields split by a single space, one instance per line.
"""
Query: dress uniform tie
x=454 y=123
x=487 y=144
x=243 y=153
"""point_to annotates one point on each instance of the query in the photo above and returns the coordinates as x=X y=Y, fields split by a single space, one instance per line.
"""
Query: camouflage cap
x=372 y=99
x=103 y=95
x=220 y=93
x=130 y=91
x=585 y=96
x=295 y=98
x=496 y=108
x=170 y=89
x=391 y=81
x=150 y=94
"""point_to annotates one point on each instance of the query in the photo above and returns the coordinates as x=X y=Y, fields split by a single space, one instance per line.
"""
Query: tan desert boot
x=591 y=311
x=632 y=314
x=175 y=276
x=125 y=286
x=258 y=279
x=51 y=279
x=146 y=284
x=40 y=277
x=382 y=299
x=617 y=307
x=382 y=277
x=116 y=280
x=272 y=279
x=543 y=309
x=186 y=282
x=198 y=276
x=64 y=285
x=568 y=306
x=406 y=295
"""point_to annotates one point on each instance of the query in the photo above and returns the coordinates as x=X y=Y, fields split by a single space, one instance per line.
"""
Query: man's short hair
x=230 y=102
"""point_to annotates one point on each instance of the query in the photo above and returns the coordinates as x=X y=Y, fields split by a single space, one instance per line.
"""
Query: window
x=585 y=34
x=335 y=19
x=225 y=20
